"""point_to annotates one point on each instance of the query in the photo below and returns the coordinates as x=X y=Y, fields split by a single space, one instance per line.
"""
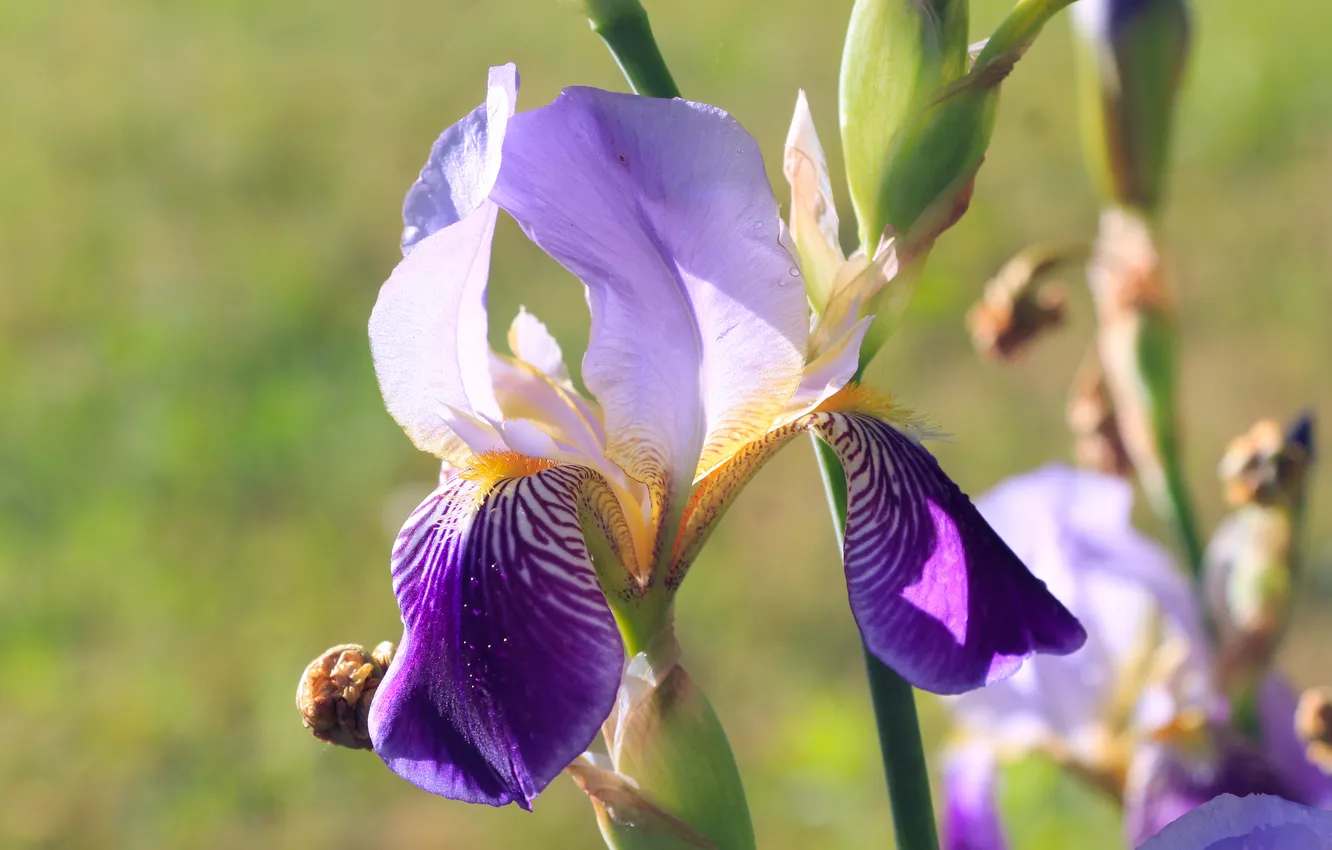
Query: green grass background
x=199 y=484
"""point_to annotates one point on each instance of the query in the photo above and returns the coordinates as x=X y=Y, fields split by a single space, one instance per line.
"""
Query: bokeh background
x=199 y=485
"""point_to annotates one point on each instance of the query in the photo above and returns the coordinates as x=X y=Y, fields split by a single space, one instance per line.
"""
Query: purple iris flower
x=1136 y=710
x=562 y=524
x=1257 y=822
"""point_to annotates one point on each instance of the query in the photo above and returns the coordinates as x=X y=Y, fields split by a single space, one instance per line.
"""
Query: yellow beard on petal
x=487 y=470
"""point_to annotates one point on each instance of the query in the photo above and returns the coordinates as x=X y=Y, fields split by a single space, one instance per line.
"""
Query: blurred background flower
x=197 y=476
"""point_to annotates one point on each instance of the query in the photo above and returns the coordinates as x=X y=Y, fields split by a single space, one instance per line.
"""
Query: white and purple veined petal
x=510 y=658
x=663 y=210
x=938 y=596
x=1256 y=822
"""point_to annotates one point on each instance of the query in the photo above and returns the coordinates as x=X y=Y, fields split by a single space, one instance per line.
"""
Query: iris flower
x=1136 y=711
x=1256 y=822
x=563 y=525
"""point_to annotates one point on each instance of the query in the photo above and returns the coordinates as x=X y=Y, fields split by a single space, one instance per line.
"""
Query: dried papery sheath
x=1020 y=303
x=1090 y=413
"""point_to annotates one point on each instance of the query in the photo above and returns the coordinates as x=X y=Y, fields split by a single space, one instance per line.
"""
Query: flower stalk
x=625 y=28
x=900 y=742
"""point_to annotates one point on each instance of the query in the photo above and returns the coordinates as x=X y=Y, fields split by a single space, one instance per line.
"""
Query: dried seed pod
x=336 y=690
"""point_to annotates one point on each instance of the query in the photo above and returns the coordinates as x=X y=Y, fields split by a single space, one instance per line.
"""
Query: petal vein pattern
x=663 y=210
x=937 y=594
x=510 y=658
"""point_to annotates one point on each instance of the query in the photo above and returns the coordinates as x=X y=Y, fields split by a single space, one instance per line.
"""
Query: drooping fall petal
x=662 y=208
x=510 y=658
x=937 y=594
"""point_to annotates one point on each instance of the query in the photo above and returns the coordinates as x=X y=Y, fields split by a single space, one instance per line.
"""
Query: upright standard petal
x=510 y=658
x=663 y=209
x=463 y=163
x=1257 y=822
x=428 y=340
x=971 y=810
x=813 y=210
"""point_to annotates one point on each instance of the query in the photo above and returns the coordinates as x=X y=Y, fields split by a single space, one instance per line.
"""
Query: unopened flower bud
x=898 y=55
x=1019 y=304
x=1133 y=55
x=336 y=690
x=1268 y=465
x=670 y=780
x=1313 y=725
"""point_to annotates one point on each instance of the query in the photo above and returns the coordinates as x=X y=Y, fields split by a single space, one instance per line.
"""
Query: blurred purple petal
x=1258 y=822
x=937 y=594
x=971 y=811
x=463 y=163
x=510 y=658
x=1166 y=782
x=1072 y=528
x=1276 y=716
x=663 y=209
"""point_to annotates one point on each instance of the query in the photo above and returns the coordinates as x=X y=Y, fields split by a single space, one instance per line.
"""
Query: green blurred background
x=199 y=485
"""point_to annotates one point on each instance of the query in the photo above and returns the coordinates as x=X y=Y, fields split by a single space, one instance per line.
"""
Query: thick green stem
x=629 y=37
x=900 y=743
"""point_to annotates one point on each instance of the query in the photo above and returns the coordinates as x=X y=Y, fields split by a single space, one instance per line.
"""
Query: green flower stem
x=629 y=37
x=900 y=742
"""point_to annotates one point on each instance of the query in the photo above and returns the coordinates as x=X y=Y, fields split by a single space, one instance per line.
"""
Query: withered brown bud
x=1097 y=443
x=1018 y=306
x=1313 y=725
x=336 y=690
x=1267 y=465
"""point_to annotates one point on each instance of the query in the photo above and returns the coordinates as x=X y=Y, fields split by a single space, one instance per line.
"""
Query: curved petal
x=939 y=597
x=662 y=208
x=971 y=811
x=463 y=163
x=1256 y=822
x=813 y=210
x=428 y=339
x=1166 y=782
x=936 y=593
x=510 y=658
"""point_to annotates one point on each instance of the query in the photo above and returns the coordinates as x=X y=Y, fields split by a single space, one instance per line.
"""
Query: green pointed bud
x=671 y=781
x=898 y=55
x=623 y=25
x=1253 y=561
x=1131 y=60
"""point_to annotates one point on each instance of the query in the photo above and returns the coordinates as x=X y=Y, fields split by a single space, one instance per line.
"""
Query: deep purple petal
x=1165 y=783
x=1276 y=716
x=1258 y=822
x=971 y=812
x=510 y=658
x=938 y=596
x=463 y=163
x=662 y=208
